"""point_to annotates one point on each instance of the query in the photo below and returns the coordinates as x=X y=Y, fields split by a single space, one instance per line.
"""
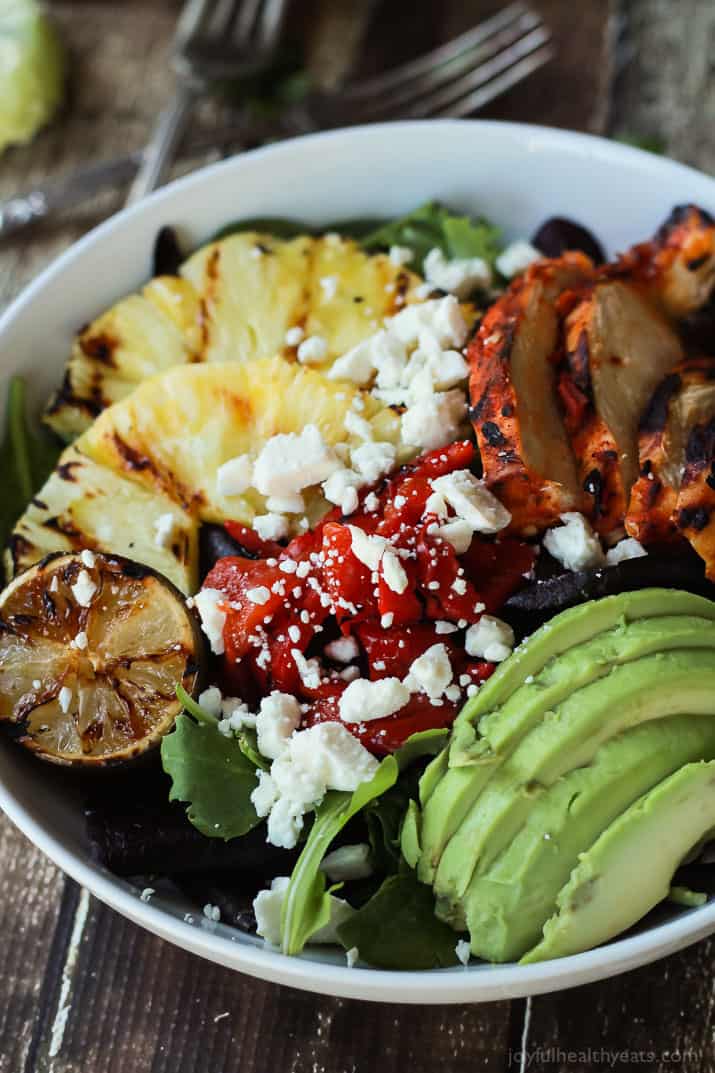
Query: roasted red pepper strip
x=497 y=569
x=250 y=540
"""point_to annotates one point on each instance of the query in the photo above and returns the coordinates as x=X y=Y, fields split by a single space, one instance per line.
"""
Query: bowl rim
x=223 y=945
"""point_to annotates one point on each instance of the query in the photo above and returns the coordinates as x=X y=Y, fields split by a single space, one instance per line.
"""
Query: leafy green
x=397 y=928
x=421 y=743
x=306 y=907
x=210 y=773
x=410 y=835
x=189 y=704
x=248 y=742
x=286 y=228
x=685 y=896
x=651 y=143
x=26 y=458
x=434 y=226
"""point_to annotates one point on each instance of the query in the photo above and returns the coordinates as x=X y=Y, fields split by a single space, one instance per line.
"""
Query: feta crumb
x=367 y=549
x=64 y=699
x=83 y=589
x=329 y=286
x=400 y=255
x=164 y=530
x=371 y=503
x=351 y=956
x=312 y=350
x=463 y=951
x=342 y=650
x=442 y=317
x=308 y=669
x=210 y=700
x=630 y=548
x=357 y=365
x=574 y=544
x=373 y=460
x=387 y=619
x=461 y=276
x=290 y=462
x=293 y=504
x=441 y=627
x=489 y=639
x=472 y=501
x=146 y=894
x=347 y=862
x=212 y=912
x=265 y=795
x=363 y=700
x=431 y=673
x=36 y=683
x=357 y=426
x=458 y=533
x=339 y=485
x=435 y=420
x=88 y=558
x=80 y=641
x=393 y=572
x=288 y=566
x=271 y=526
x=516 y=258
x=294 y=336
x=350 y=501
x=278 y=716
x=213 y=619
x=234 y=476
x=268 y=907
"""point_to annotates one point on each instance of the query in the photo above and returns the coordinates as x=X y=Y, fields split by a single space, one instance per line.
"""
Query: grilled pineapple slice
x=86 y=505
x=234 y=301
x=155 y=455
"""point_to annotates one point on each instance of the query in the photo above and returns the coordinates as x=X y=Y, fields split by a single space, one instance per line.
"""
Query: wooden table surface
x=81 y=989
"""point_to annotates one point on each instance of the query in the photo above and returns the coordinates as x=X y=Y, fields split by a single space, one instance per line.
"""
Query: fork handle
x=159 y=152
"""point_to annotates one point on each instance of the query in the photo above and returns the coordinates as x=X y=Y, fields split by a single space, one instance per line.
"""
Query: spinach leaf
x=26 y=458
x=397 y=928
x=433 y=226
x=210 y=773
x=285 y=228
x=306 y=907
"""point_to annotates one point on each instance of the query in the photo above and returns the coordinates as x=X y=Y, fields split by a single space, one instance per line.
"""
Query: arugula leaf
x=26 y=458
x=211 y=774
x=248 y=742
x=433 y=226
x=306 y=907
x=397 y=928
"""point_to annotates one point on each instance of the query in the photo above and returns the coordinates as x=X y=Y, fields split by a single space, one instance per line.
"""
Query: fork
x=454 y=79
x=215 y=39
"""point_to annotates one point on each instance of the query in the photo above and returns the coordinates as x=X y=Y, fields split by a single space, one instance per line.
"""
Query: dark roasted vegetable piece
x=559 y=234
x=526 y=455
x=215 y=543
x=168 y=255
x=539 y=601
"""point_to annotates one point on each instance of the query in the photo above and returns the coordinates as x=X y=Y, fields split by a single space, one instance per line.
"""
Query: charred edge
x=693 y=518
x=48 y=605
x=681 y=214
x=39 y=503
x=65 y=471
x=593 y=486
x=656 y=412
x=652 y=494
x=66 y=396
x=131 y=569
x=697 y=262
x=58 y=526
x=507 y=410
x=579 y=361
x=493 y=434
x=100 y=348
x=700 y=447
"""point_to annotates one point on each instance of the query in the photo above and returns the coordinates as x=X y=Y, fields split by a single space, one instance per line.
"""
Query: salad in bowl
x=364 y=589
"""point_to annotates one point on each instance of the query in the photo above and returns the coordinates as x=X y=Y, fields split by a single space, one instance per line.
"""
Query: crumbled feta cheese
x=357 y=426
x=436 y=505
x=574 y=544
x=265 y=795
x=89 y=559
x=339 y=484
x=458 y=533
x=64 y=698
x=393 y=572
x=373 y=460
x=630 y=548
x=294 y=336
x=290 y=462
x=210 y=700
x=460 y=276
x=288 y=566
x=212 y=912
x=342 y=650
x=472 y=501
x=400 y=255
x=363 y=700
x=164 y=530
x=347 y=862
x=80 y=641
x=308 y=669
x=271 y=526
x=268 y=907
x=489 y=639
x=351 y=956
x=356 y=365
x=463 y=951
x=329 y=286
x=434 y=420
x=293 y=504
x=441 y=627
x=278 y=716
x=367 y=549
x=431 y=673
x=258 y=595
x=516 y=258
x=146 y=894
x=312 y=350
x=442 y=317
x=387 y=619
x=234 y=476
x=213 y=619
x=350 y=501
x=389 y=359
x=83 y=589
x=371 y=502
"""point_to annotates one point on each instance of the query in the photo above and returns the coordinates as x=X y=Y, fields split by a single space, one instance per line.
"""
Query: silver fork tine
x=245 y=19
x=449 y=74
x=443 y=54
x=271 y=24
x=511 y=77
x=433 y=103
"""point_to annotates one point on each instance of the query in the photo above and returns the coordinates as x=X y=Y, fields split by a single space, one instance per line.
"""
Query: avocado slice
x=507 y=907
x=629 y=868
x=447 y=803
x=656 y=686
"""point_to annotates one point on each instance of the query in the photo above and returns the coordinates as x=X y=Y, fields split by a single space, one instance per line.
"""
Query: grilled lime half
x=32 y=68
x=91 y=650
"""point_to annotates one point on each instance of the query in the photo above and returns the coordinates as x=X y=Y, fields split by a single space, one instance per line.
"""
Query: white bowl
x=516 y=176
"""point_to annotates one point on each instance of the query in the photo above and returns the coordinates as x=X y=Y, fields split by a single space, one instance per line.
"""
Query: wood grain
x=80 y=988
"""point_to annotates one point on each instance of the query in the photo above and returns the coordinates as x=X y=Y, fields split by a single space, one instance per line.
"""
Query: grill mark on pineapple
x=66 y=398
x=100 y=347
x=134 y=461
x=206 y=299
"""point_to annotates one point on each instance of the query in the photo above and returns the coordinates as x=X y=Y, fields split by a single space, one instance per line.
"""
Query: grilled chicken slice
x=617 y=349
x=676 y=268
x=234 y=300
x=674 y=494
x=526 y=456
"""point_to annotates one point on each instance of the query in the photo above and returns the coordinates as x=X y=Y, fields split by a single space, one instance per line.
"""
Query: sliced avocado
x=563 y=632
x=503 y=727
x=629 y=868
x=432 y=774
x=668 y=683
x=507 y=907
x=410 y=834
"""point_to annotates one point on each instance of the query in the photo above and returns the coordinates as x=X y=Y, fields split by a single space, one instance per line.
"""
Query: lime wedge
x=31 y=70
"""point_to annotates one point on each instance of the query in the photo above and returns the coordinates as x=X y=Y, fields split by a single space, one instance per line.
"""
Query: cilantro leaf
x=397 y=928
x=432 y=226
x=306 y=907
x=212 y=775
